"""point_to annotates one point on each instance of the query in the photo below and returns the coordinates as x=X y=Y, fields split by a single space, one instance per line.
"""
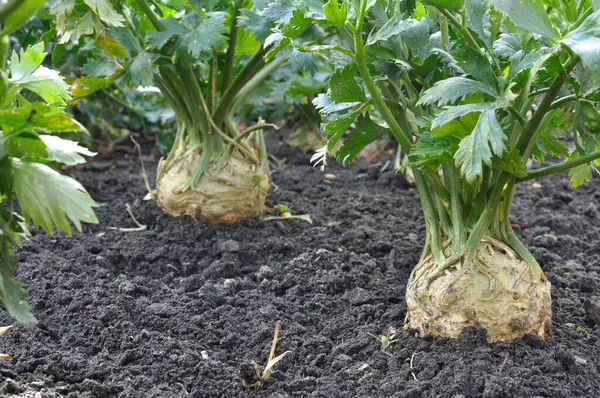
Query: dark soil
x=179 y=309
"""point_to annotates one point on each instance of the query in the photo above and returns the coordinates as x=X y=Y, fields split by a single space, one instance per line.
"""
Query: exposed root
x=223 y=194
x=494 y=290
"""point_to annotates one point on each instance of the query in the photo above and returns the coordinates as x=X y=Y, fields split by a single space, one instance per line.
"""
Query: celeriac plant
x=206 y=57
x=471 y=90
x=32 y=118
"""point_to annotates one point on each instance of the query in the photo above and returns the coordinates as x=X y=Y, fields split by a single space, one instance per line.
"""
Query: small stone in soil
x=228 y=246
x=230 y=283
x=341 y=361
x=265 y=272
x=301 y=384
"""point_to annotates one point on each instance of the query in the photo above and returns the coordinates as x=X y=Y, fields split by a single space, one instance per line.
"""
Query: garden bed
x=176 y=310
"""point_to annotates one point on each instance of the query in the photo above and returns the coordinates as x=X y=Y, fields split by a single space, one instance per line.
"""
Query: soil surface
x=180 y=309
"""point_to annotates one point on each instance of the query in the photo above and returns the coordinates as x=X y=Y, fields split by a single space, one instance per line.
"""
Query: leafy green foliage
x=27 y=72
x=585 y=41
x=64 y=198
x=449 y=90
x=471 y=90
x=477 y=148
x=530 y=15
x=365 y=132
x=32 y=99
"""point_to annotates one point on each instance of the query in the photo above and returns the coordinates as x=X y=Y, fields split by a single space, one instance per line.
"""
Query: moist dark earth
x=177 y=310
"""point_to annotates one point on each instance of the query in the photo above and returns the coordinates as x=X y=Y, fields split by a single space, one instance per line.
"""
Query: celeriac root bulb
x=226 y=194
x=509 y=302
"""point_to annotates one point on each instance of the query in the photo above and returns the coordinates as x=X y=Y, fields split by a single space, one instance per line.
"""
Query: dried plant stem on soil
x=4 y=329
x=252 y=377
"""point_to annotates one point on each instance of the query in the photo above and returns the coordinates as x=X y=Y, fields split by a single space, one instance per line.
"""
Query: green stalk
x=155 y=19
x=212 y=83
x=532 y=125
x=254 y=82
x=174 y=95
x=230 y=57
x=4 y=50
x=403 y=136
x=452 y=178
x=556 y=168
x=488 y=215
x=531 y=131
x=472 y=42
x=256 y=61
x=563 y=100
x=8 y=8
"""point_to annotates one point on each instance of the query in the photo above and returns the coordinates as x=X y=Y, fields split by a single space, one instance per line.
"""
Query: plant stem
x=471 y=41
x=4 y=50
x=155 y=19
x=8 y=8
x=452 y=178
x=563 y=100
x=555 y=168
x=403 y=136
x=532 y=125
x=237 y=84
x=230 y=57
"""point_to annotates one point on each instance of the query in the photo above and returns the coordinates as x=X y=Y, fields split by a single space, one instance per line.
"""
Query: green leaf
x=257 y=24
x=336 y=128
x=476 y=15
x=344 y=87
x=581 y=173
x=475 y=64
x=209 y=33
x=477 y=148
x=39 y=117
x=450 y=5
x=106 y=12
x=365 y=132
x=87 y=85
x=281 y=12
x=303 y=60
x=158 y=39
x=416 y=36
x=27 y=72
x=64 y=151
x=112 y=47
x=511 y=162
x=393 y=27
x=50 y=199
x=527 y=14
x=554 y=146
x=325 y=105
x=458 y=128
x=21 y=144
x=585 y=41
x=430 y=148
x=11 y=291
x=507 y=45
x=297 y=25
x=334 y=13
x=142 y=69
x=100 y=66
x=24 y=63
x=449 y=90
x=454 y=112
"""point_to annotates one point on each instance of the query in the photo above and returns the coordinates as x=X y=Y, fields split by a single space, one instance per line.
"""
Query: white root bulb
x=225 y=194
x=509 y=302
